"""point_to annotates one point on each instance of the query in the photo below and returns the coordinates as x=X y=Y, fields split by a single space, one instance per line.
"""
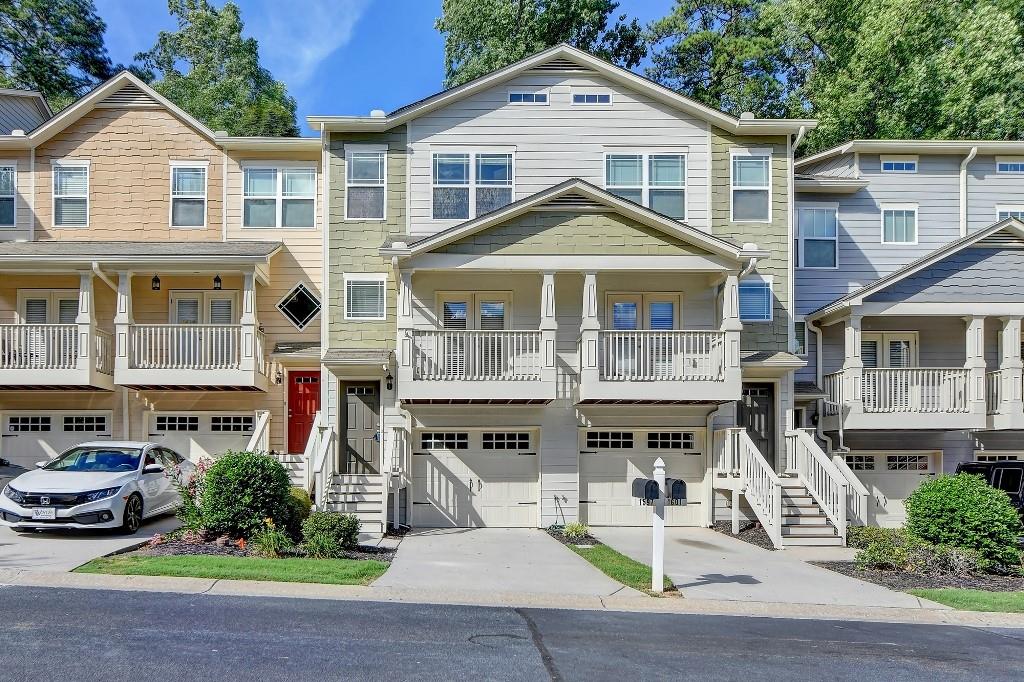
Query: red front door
x=303 y=402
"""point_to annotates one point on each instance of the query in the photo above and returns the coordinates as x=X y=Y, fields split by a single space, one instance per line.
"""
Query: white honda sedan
x=97 y=485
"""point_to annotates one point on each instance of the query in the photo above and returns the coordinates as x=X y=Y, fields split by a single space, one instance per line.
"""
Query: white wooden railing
x=38 y=346
x=104 y=351
x=319 y=460
x=500 y=355
x=759 y=483
x=185 y=346
x=930 y=390
x=993 y=391
x=820 y=476
x=649 y=355
x=259 y=441
x=857 y=497
x=833 y=388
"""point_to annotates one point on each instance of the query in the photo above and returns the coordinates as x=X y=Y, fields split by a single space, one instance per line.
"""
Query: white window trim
x=70 y=163
x=52 y=296
x=770 y=281
x=364 y=277
x=1009 y=159
x=473 y=300
x=883 y=338
x=750 y=151
x=799 y=261
x=527 y=91
x=590 y=90
x=12 y=164
x=645 y=298
x=204 y=296
x=999 y=209
x=281 y=300
x=882 y=208
x=645 y=171
x=473 y=152
x=898 y=158
x=176 y=163
x=278 y=166
x=366 y=149
x=800 y=319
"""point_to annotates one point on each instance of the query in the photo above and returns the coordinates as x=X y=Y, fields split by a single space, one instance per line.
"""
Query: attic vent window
x=603 y=97
x=527 y=98
x=300 y=306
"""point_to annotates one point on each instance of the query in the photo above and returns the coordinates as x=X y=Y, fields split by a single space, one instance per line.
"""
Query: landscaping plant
x=299 y=508
x=327 y=535
x=270 y=541
x=240 y=490
x=576 y=531
x=190 y=511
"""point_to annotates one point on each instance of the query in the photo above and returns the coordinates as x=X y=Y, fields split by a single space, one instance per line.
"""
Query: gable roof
x=915 y=147
x=856 y=297
x=563 y=57
x=581 y=194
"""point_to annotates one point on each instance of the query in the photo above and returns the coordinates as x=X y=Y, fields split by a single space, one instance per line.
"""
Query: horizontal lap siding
x=986 y=189
x=22 y=159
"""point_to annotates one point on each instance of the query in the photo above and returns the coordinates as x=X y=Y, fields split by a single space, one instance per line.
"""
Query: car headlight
x=13 y=494
x=94 y=495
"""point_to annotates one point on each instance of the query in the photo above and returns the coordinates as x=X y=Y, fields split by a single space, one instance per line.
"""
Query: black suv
x=1008 y=476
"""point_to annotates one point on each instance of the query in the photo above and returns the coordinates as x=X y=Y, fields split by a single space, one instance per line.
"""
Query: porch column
x=123 y=320
x=975 y=347
x=731 y=325
x=405 y=326
x=548 y=329
x=589 y=328
x=1010 y=367
x=853 y=368
x=86 y=321
x=252 y=346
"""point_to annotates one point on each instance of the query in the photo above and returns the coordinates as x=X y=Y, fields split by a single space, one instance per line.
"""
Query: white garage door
x=202 y=434
x=472 y=479
x=610 y=460
x=890 y=479
x=34 y=436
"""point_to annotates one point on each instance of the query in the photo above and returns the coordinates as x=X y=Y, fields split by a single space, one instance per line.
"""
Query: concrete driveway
x=494 y=560
x=705 y=564
x=63 y=550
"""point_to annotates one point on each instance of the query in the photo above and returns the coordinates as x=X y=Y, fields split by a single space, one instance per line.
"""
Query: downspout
x=103 y=276
x=963 y=189
x=799 y=137
x=748 y=268
x=819 y=376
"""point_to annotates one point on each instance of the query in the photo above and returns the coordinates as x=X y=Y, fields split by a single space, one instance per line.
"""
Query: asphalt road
x=60 y=634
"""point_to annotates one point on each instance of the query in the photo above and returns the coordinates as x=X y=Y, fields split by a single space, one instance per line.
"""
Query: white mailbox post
x=658 y=523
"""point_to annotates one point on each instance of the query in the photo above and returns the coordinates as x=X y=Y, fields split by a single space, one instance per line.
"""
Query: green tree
x=211 y=71
x=481 y=36
x=53 y=46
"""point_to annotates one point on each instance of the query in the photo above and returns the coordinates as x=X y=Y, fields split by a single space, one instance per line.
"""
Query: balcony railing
x=936 y=390
x=993 y=391
x=500 y=355
x=104 y=352
x=38 y=346
x=661 y=355
x=185 y=346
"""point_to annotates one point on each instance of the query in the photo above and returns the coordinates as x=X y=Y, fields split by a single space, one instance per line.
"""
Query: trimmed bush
x=963 y=511
x=328 y=534
x=895 y=549
x=299 y=508
x=860 y=537
x=240 y=490
x=576 y=532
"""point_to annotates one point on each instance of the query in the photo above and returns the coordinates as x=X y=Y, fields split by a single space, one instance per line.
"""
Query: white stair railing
x=319 y=458
x=857 y=496
x=259 y=441
x=759 y=483
x=820 y=476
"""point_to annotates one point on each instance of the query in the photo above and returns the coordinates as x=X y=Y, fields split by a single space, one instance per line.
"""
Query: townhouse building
x=158 y=280
x=907 y=265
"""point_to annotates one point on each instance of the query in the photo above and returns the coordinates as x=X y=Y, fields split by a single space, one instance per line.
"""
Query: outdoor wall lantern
x=279 y=377
x=217 y=283
x=390 y=380
x=155 y=283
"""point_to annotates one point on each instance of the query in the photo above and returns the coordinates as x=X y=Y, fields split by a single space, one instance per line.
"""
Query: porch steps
x=803 y=521
x=295 y=465
x=360 y=494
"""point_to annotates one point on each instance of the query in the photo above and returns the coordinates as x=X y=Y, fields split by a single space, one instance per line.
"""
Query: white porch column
x=123 y=320
x=548 y=329
x=252 y=351
x=975 y=347
x=733 y=328
x=404 y=345
x=853 y=367
x=589 y=328
x=86 y=321
x=1011 y=367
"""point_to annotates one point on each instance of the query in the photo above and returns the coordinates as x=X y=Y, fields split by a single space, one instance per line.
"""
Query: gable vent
x=572 y=201
x=129 y=96
x=1001 y=240
x=560 y=66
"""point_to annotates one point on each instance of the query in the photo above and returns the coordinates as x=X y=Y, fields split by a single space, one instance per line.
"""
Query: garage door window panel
x=28 y=424
x=87 y=422
x=907 y=462
x=506 y=440
x=610 y=440
x=444 y=440
x=671 y=440
x=177 y=423
x=232 y=423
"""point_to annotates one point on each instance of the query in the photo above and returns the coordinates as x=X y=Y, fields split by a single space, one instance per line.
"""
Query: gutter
x=819 y=376
x=963 y=189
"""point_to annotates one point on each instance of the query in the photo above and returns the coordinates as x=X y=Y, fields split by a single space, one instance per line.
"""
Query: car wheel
x=132 y=519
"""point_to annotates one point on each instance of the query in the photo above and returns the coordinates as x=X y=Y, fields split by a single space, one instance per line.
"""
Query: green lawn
x=328 y=571
x=619 y=567
x=975 y=600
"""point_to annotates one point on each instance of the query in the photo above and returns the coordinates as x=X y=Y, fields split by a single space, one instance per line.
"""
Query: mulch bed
x=899 y=580
x=588 y=541
x=752 y=533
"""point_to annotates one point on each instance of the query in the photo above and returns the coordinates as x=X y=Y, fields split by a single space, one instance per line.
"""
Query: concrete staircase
x=803 y=522
x=360 y=494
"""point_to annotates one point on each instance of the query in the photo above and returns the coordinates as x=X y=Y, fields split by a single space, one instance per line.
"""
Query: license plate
x=44 y=514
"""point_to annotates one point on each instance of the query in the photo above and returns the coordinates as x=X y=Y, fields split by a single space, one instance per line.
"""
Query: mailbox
x=645 y=489
x=675 y=491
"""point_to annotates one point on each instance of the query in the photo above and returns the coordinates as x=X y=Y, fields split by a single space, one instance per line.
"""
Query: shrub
x=328 y=534
x=299 y=508
x=190 y=511
x=893 y=549
x=963 y=511
x=576 y=532
x=860 y=537
x=242 y=489
x=270 y=541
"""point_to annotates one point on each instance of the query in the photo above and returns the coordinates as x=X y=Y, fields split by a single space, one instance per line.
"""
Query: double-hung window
x=365 y=182
x=756 y=300
x=71 y=194
x=188 y=194
x=467 y=185
x=750 y=184
x=8 y=192
x=655 y=180
x=899 y=223
x=816 y=237
x=365 y=296
x=278 y=197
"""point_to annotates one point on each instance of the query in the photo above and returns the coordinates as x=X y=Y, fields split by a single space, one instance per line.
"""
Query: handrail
x=185 y=346
x=760 y=485
x=104 y=352
x=820 y=476
x=832 y=384
x=918 y=389
x=661 y=355
x=38 y=346
x=260 y=439
x=319 y=460
x=857 y=495
x=309 y=452
x=476 y=355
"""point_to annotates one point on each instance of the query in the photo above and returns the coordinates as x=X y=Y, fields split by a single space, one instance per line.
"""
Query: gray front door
x=361 y=428
x=756 y=413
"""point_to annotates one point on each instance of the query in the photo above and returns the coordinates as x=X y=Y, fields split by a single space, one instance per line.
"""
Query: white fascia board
x=566 y=263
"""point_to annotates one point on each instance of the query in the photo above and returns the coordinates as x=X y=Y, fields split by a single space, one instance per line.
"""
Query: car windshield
x=97 y=459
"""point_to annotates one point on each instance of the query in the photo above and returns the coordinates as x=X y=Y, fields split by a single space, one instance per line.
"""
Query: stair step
x=801 y=510
x=355 y=497
x=812 y=530
x=812 y=541
x=798 y=500
x=804 y=520
x=355 y=507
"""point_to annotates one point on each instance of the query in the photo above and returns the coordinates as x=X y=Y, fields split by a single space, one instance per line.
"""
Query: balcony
x=55 y=356
x=1003 y=399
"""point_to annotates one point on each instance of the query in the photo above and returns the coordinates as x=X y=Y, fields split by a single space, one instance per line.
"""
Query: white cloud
x=296 y=37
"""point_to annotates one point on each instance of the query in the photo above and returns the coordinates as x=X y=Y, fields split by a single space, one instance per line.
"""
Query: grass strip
x=975 y=600
x=618 y=566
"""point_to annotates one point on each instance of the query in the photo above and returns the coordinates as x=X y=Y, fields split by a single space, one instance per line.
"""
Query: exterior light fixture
x=279 y=376
x=390 y=380
x=217 y=283
x=155 y=283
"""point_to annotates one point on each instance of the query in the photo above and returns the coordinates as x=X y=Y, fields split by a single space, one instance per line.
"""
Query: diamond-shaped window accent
x=300 y=306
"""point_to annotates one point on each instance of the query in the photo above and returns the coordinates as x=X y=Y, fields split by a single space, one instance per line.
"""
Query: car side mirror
x=40 y=465
x=152 y=469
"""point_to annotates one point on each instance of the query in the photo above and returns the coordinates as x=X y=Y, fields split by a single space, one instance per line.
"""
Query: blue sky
x=329 y=52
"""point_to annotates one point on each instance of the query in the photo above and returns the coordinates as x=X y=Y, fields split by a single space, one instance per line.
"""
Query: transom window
x=506 y=440
x=300 y=306
x=860 y=462
x=1004 y=211
x=444 y=440
x=899 y=224
x=188 y=195
x=24 y=424
x=906 y=462
x=657 y=181
x=671 y=440
x=365 y=296
x=610 y=440
x=468 y=185
x=365 y=183
x=177 y=422
x=816 y=237
x=8 y=192
x=527 y=98
x=278 y=197
x=751 y=187
x=755 y=300
x=85 y=422
x=592 y=97
x=234 y=422
x=71 y=194
x=1010 y=165
x=899 y=164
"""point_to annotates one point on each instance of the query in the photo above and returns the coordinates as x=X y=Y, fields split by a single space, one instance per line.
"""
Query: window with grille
x=860 y=462
x=71 y=194
x=8 y=192
x=899 y=224
x=235 y=422
x=177 y=422
x=506 y=440
x=444 y=440
x=25 y=424
x=306 y=380
x=188 y=196
x=360 y=390
x=279 y=197
x=657 y=181
x=592 y=97
x=527 y=98
x=751 y=187
x=817 y=237
x=364 y=297
x=300 y=306
x=1009 y=165
x=614 y=440
x=365 y=183
x=906 y=462
x=899 y=164
x=470 y=185
x=671 y=440
x=85 y=422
